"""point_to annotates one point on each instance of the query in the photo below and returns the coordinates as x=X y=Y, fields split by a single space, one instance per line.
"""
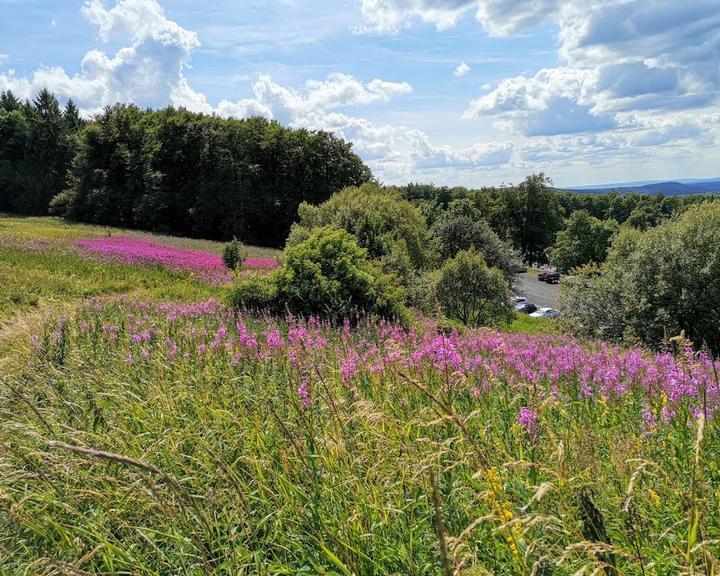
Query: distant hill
x=675 y=188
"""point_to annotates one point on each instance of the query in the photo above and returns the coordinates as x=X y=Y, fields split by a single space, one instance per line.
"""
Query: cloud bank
x=635 y=81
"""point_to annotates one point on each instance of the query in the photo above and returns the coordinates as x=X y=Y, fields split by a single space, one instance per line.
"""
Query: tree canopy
x=462 y=227
x=184 y=173
x=379 y=218
x=37 y=144
x=585 y=239
x=655 y=283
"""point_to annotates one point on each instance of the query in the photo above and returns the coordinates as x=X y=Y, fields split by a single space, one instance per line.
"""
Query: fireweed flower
x=528 y=419
x=477 y=362
x=304 y=394
x=205 y=266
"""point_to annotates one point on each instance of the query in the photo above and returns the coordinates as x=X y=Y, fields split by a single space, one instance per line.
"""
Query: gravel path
x=539 y=293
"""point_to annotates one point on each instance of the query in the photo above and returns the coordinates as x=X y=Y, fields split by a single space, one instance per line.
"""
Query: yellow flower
x=654 y=498
x=495 y=497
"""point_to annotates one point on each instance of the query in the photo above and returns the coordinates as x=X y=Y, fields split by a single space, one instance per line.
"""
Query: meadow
x=146 y=428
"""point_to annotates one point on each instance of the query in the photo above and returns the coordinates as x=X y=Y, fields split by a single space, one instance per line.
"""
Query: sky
x=453 y=92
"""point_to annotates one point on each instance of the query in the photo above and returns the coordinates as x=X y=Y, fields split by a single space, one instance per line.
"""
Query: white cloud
x=150 y=70
x=497 y=17
x=390 y=150
x=4 y=58
x=554 y=101
x=461 y=70
x=390 y=16
x=288 y=105
x=618 y=56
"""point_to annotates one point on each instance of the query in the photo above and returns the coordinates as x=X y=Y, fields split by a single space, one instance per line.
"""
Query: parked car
x=545 y=313
x=525 y=307
x=520 y=300
x=552 y=278
x=543 y=274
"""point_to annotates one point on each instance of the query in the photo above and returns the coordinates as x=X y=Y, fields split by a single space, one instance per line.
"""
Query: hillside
x=147 y=428
x=686 y=188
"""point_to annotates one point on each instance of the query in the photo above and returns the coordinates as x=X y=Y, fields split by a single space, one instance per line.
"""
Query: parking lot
x=539 y=293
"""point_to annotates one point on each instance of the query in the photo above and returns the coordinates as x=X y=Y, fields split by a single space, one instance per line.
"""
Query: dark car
x=526 y=308
x=552 y=277
x=543 y=274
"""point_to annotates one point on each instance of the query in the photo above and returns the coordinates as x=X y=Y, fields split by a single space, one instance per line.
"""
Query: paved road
x=539 y=293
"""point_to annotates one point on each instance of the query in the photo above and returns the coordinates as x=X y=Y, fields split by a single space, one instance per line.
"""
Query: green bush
x=329 y=275
x=462 y=227
x=379 y=219
x=472 y=293
x=255 y=293
x=234 y=254
x=654 y=283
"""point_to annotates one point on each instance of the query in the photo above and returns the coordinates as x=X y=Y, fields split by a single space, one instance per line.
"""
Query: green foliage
x=647 y=216
x=255 y=293
x=531 y=217
x=462 y=227
x=472 y=293
x=655 y=283
x=380 y=220
x=422 y=293
x=234 y=254
x=175 y=171
x=585 y=239
x=37 y=144
x=329 y=275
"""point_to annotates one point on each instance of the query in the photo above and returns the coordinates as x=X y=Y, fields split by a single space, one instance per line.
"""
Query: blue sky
x=471 y=92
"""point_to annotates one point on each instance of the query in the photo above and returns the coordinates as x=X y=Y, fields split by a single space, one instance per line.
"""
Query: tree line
x=169 y=170
x=178 y=172
x=547 y=225
x=38 y=141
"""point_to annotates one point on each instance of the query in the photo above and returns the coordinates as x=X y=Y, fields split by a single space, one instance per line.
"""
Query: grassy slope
x=229 y=473
x=40 y=271
x=41 y=274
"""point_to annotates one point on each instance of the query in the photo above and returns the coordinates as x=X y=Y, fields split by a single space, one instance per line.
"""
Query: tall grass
x=143 y=438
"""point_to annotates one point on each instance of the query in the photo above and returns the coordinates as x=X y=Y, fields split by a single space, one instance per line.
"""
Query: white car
x=545 y=313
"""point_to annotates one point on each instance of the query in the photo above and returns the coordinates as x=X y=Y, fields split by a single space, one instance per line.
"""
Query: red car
x=542 y=275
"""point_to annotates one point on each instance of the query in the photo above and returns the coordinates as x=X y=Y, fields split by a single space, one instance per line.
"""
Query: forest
x=176 y=172
x=169 y=170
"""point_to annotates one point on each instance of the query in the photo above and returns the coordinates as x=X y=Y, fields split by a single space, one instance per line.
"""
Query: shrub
x=378 y=218
x=655 y=283
x=329 y=275
x=462 y=227
x=234 y=254
x=472 y=293
x=254 y=293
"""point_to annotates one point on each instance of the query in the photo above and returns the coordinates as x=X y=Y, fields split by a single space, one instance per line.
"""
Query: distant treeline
x=530 y=215
x=168 y=170
x=178 y=172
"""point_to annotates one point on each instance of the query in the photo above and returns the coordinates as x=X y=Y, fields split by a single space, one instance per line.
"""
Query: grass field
x=147 y=429
x=40 y=269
